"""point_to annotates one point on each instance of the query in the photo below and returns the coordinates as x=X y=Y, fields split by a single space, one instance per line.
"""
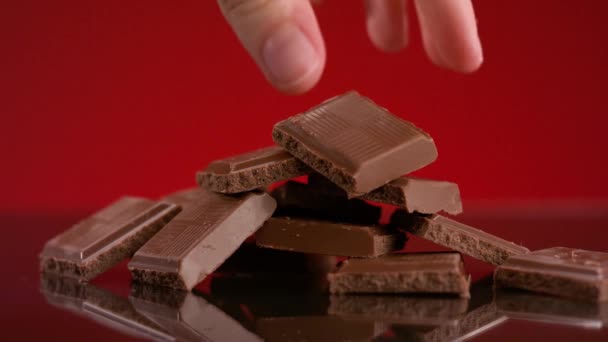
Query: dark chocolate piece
x=102 y=306
x=250 y=259
x=249 y=171
x=324 y=237
x=200 y=238
x=457 y=236
x=424 y=196
x=317 y=329
x=300 y=200
x=188 y=317
x=560 y=271
x=534 y=307
x=355 y=143
x=402 y=310
x=102 y=240
x=402 y=273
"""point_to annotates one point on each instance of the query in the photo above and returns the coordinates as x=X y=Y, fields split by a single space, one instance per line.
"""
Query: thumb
x=283 y=38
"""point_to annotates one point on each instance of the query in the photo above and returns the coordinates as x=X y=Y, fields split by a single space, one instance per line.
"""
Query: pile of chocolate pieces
x=355 y=154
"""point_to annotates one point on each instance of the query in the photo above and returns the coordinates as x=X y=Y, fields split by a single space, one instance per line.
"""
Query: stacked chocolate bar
x=353 y=152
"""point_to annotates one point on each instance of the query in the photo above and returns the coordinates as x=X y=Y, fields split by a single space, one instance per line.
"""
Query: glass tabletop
x=281 y=305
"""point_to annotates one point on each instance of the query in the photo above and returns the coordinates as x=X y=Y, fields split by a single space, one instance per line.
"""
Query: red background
x=105 y=98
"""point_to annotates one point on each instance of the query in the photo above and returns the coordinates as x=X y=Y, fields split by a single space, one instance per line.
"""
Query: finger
x=283 y=38
x=387 y=24
x=449 y=33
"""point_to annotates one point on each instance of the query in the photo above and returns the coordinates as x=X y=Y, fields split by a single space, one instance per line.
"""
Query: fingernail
x=289 y=55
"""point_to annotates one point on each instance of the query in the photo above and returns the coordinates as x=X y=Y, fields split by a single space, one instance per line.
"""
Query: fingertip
x=301 y=84
x=291 y=60
x=387 y=24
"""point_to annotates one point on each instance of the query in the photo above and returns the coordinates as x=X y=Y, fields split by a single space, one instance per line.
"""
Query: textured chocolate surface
x=102 y=240
x=102 y=306
x=325 y=237
x=560 y=271
x=200 y=238
x=458 y=236
x=425 y=196
x=189 y=317
x=537 y=307
x=249 y=171
x=402 y=273
x=300 y=200
x=355 y=143
x=317 y=328
x=403 y=310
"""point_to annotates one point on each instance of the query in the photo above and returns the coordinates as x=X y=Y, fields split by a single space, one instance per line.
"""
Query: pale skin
x=284 y=39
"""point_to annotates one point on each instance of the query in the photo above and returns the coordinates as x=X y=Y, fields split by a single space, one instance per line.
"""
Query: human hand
x=284 y=38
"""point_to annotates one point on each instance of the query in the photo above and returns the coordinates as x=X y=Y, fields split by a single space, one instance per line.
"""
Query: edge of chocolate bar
x=250 y=171
x=430 y=272
x=458 y=236
x=424 y=196
x=558 y=271
x=107 y=251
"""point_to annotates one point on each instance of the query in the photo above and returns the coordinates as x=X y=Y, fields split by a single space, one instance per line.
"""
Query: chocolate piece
x=355 y=143
x=189 y=317
x=184 y=198
x=324 y=237
x=402 y=310
x=250 y=259
x=317 y=328
x=102 y=240
x=100 y=305
x=560 y=271
x=413 y=194
x=402 y=273
x=457 y=236
x=301 y=200
x=200 y=238
x=533 y=307
x=250 y=171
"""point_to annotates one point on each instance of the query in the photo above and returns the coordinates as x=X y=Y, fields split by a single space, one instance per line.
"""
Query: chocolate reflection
x=403 y=310
x=102 y=306
x=187 y=316
x=480 y=316
x=536 y=307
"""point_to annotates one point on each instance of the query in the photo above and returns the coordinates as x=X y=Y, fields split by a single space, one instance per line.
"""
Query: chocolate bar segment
x=102 y=240
x=301 y=200
x=331 y=238
x=424 y=196
x=560 y=271
x=356 y=144
x=249 y=171
x=457 y=236
x=200 y=238
x=402 y=273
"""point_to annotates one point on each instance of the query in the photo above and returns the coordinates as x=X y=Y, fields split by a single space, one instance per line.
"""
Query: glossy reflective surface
x=281 y=307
